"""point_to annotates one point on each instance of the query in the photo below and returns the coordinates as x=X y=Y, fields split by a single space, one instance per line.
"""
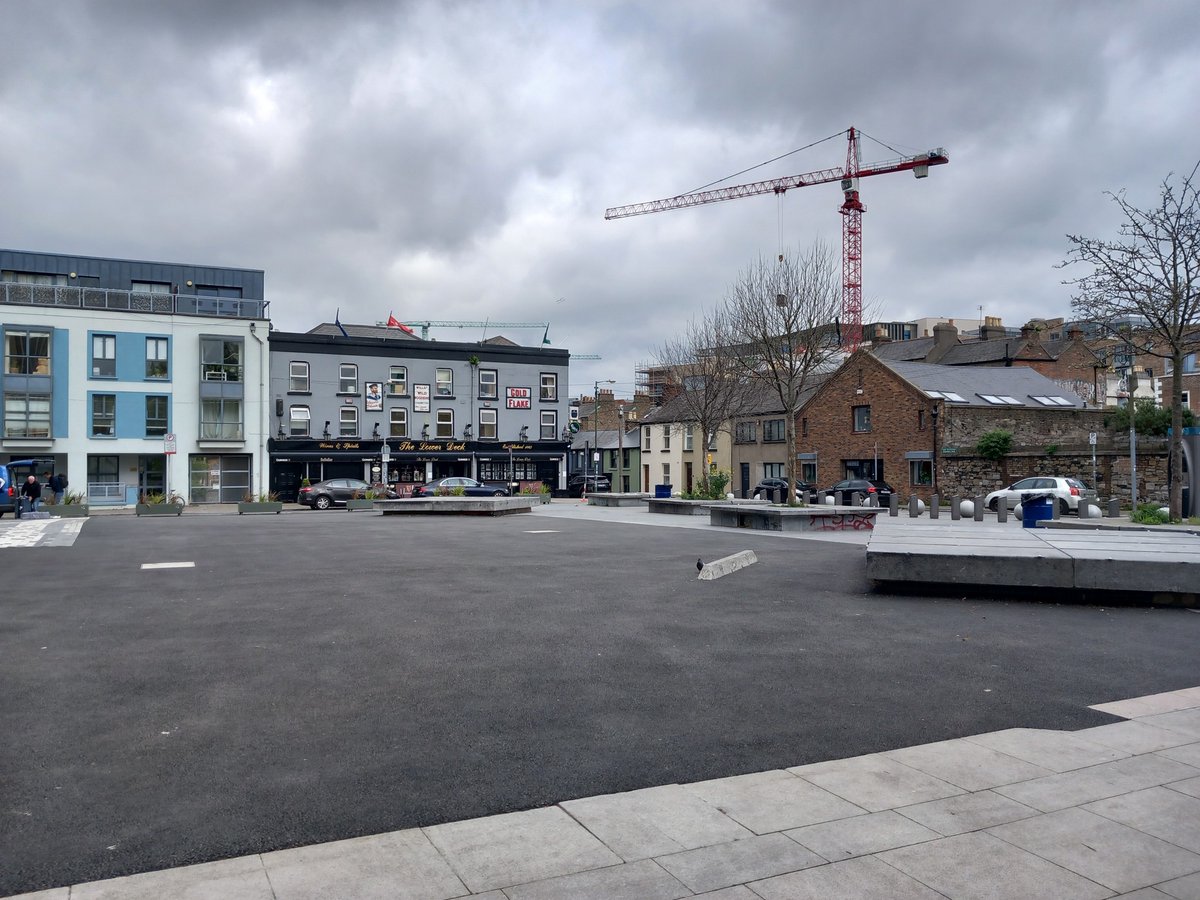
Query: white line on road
x=548 y=531
x=170 y=565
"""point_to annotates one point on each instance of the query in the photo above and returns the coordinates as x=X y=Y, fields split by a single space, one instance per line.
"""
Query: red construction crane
x=851 y=210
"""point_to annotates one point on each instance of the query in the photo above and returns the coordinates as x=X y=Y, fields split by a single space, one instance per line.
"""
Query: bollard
x=912 y=507
x=1114 y=508
x=821 y=498
x=934 y=506
x=1054 y=509
x=978 y=509
x=893 y=504
x=1002 y=511
x=856 y=499
x=955 y=508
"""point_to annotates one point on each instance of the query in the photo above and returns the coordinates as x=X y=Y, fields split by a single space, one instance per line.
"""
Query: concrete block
x=1114 y=508
x=955 y=509
x=978 y=508
x=893 y=504
x=1002 y=512
x=934 y=506
x=727 y=565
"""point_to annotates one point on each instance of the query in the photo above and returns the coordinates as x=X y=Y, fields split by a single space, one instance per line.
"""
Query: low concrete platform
x=456 y=506
x=617 y=499
x=764 y=517
x=1161 y=567
x=677 y=506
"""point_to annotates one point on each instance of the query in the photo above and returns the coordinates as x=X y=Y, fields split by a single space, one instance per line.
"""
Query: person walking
x=32 y=492
x=58 y=486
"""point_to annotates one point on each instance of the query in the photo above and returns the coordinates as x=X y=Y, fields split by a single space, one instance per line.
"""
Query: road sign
x=168 y=444
x=574 y=427
x=1092 y=438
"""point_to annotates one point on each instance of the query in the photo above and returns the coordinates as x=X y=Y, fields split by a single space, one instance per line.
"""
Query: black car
x=336 y=491
x=770 y=488
x=596 y=484
x=844 y=491
x=459 y=486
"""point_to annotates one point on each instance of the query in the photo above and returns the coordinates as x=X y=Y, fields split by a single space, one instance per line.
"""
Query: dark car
x=844 y=491
x=596 y=484
x=459 y=486
x=8 y=491
x=336 y=491
x=769 y=488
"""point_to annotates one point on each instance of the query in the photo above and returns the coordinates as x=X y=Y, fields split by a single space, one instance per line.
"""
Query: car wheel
x=497 y=493
x=995 y=504
x=1063 y=507
x=322 y=502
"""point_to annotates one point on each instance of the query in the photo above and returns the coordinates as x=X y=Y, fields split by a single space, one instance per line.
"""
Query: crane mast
x=851 y=210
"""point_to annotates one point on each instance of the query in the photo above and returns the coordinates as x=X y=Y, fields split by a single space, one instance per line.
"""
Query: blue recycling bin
x=1036 y=508
x=662 y=492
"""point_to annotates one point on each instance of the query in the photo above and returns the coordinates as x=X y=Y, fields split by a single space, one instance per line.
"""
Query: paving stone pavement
x=26 y=532
x=1109 y=811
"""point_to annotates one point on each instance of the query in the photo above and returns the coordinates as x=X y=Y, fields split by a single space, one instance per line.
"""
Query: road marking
x=170 y=565
x=546 y=531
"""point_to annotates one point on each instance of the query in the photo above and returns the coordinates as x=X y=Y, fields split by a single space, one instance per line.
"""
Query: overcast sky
x=453 y=161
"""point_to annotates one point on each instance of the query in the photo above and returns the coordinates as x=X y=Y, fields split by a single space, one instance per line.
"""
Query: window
x=862 y=418
x=666 y=473
x=487 y=425
x=103 y=469
x=445 y=423
x=920 y=471
x=549 y=389
x=26 y=416
x=32 y=278
x=745 y=433
x=487 y=384
x=26 y=352
x=646 y=438
x=1185 y=399
x=687 y=437
x=950 y=396
x=298 y=377
x=804 y=427
x=398 y=426
x=808 y=472
x=773 y=470
x=773 y=431
x=220 y=419
x=445 y=382
x=104 y=415
x=920 y=420
x=156 y=357
x=220 y=360
x=549 y=425
x=1001 y=400
x=348 y=421
x=299 y=421
x=104 y=356
x=156 y=416
x=666 y=437
x=150 y=287
x=347 y=378
x=1053 y=401
x=398 y=381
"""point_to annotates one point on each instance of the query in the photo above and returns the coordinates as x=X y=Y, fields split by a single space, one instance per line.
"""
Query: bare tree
x=780 y=317
x=711 y=389
x=1151 y=271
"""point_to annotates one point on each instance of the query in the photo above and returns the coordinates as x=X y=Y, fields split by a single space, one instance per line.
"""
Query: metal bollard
x=1002 y=511
x=893 y=504
x=934 y=506
x=978 y=509
x=1114 y=508
x=955 y=508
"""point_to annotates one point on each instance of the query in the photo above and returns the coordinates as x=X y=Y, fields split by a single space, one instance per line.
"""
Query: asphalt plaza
x=319 y=676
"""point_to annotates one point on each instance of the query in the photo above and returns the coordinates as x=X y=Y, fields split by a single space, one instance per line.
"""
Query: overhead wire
x=766 y=163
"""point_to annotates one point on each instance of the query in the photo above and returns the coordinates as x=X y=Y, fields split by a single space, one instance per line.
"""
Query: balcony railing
x=130 y=301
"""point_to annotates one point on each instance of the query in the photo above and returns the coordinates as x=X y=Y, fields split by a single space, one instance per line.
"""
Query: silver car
x=1069 y=492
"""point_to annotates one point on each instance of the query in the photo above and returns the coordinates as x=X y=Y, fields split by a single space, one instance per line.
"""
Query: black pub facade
x=381 y=405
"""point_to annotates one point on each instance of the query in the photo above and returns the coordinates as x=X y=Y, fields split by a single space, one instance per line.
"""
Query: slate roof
x=364 y=331
x=974 y=353
x=1019 y=382
x=606 y=439
x=915 y=349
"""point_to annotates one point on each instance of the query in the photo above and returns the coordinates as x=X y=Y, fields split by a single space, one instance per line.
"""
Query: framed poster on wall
x=420 y=398
x=373 y=391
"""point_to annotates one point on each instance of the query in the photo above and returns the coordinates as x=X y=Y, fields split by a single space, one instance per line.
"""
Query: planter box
x=264 y=506
x=536 y=498
x=67 y=510
x=158 y=509
x=352 y=505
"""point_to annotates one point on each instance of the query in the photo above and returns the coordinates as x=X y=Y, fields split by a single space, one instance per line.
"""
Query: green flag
x=546 y=336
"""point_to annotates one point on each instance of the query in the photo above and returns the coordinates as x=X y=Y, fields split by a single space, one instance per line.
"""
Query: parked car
x=336 y=491
x=596 y=484
x=765 y=490
x=844 y=491
x=8 y=491
x=1068 y=491
x=470 y=488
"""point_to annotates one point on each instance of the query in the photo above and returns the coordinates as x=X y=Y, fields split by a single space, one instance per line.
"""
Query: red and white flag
x=393 y=322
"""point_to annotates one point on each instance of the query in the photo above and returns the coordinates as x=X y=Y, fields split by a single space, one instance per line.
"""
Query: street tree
x=1152 y=271
x=779 y=318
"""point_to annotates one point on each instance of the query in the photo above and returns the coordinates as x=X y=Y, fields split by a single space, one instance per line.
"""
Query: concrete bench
x=785 y=518
x=617 y=499
x=458 y=506
x=676 y=506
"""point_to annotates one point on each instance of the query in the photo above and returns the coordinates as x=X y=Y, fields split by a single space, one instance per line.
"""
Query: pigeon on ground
x=699 y=565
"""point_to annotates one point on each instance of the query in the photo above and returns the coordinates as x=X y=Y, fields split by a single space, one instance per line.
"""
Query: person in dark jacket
x=32 y=492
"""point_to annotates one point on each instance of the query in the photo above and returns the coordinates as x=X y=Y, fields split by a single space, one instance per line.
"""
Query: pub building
x=381 y=405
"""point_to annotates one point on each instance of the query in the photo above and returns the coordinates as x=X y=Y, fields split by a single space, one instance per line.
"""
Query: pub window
x=299 y=421
x=487 y=384
x=156 y=416
x=156 y=357
x=347 y=378
x=549 y=425
x=487 y=424
x=445 y=382
x=104 y=356
x=298 y=377
x=104 y=415
x=398 y=381
x=862 y=418
x=549 y=390
x=348 y=421
x=445 y=423
x=26 y=352
x=398 y=425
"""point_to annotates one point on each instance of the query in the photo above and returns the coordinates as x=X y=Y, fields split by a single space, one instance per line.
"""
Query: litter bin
x=1036 y=508
x=662 y=492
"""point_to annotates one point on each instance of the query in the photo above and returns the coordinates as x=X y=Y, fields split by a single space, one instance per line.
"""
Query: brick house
x=875 y=418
